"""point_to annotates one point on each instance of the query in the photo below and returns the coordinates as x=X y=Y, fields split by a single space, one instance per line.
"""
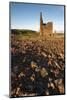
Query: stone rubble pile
x=37 y=67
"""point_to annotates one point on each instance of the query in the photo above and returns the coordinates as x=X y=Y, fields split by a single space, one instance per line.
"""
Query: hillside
x=22 y=31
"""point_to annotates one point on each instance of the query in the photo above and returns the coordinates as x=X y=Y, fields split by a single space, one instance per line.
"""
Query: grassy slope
x=30 y=34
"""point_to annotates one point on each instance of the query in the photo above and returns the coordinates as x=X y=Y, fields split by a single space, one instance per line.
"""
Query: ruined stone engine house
x=45 y=28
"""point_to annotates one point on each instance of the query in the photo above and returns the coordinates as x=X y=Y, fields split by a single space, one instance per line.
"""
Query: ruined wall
x=48 y=28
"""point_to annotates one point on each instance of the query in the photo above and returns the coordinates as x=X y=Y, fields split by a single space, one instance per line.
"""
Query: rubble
x=43 y=72
x=37 y=67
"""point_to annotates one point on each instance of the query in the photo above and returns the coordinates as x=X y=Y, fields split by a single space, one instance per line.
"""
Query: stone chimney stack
x=41 y=24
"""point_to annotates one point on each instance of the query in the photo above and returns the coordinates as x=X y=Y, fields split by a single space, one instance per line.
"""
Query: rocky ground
x=37 y=67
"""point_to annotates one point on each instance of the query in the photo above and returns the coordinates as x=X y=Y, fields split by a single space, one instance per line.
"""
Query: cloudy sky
x=27 y=16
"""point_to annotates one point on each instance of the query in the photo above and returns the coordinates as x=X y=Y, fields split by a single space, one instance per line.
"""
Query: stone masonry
x=45 y=28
